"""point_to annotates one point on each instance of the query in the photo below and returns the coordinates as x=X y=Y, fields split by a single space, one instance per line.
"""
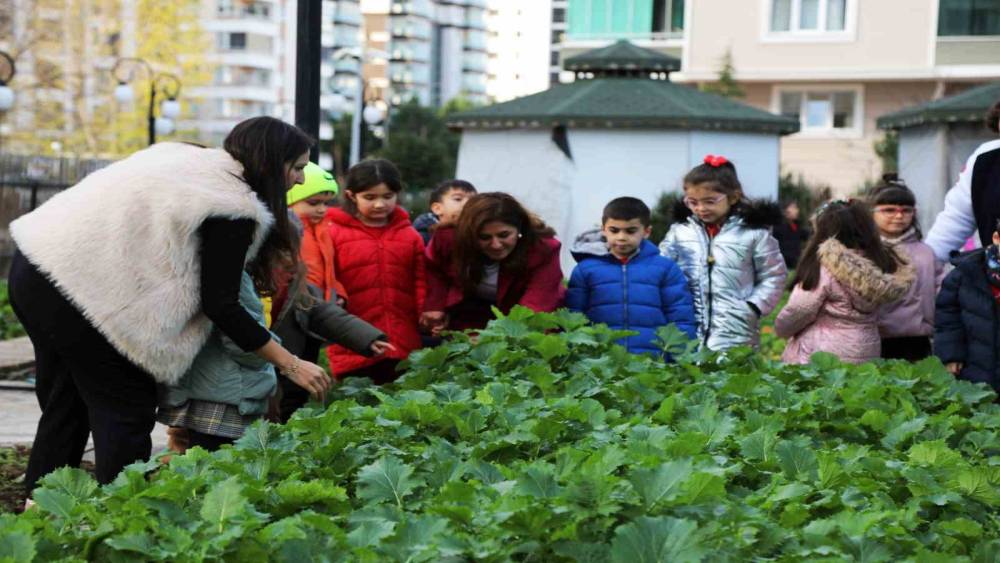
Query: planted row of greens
x=544 y=441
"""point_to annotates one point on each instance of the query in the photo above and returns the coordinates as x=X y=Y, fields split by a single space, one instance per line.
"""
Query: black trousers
x=84 y=386
x=909 y=348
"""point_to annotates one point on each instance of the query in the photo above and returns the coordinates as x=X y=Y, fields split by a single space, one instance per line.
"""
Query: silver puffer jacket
x=741 y=265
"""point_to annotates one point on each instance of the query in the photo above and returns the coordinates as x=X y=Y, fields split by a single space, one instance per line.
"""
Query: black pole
x=150 y=116
x=307 y=44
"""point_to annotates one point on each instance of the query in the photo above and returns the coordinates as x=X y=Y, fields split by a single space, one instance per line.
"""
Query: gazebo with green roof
x=935 y=140
x=621 y=128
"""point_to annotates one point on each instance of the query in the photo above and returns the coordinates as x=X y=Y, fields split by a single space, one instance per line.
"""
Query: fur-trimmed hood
x=862 y=277
x=123 y=245
x=755 y=213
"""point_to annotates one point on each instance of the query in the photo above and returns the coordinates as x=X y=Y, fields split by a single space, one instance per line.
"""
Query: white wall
x=923 y=165
x=756 y=157
x=570 y=195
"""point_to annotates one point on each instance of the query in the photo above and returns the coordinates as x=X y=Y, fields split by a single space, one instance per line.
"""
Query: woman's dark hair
x=266 y=146
x=367 y=174
x=470 y=263
x=852 y=224
x=893 y=191
x=993 y=118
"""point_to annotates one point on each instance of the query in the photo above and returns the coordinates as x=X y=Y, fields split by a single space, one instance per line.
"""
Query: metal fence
x=27 y=181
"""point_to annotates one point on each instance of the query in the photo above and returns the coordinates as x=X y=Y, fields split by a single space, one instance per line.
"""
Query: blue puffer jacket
x=647 y=292
x=966 y=323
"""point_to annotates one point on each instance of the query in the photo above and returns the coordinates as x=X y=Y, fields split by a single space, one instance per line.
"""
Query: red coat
x=540 y=289
x=382 y=270
x=317 y=255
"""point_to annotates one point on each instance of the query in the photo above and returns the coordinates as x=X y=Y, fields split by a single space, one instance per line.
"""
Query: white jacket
x=956 y=223
x=123 y=246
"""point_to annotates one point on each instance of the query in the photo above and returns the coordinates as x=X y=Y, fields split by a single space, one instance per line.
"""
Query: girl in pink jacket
x=906 y=326
x=844 y=276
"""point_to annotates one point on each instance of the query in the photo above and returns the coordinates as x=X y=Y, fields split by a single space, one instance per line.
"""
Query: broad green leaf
x=962 y=527
x=657 y=540
x=759 y=445
x=935 y=453
x=224 y=503
x=703 y=487
x=538 y=481
x=16 y=541
x=387 y=479
x=796 y=461
x=903 y=432
x=59 y=504
x=370 y=532
x=551 y=346
x=660 y=483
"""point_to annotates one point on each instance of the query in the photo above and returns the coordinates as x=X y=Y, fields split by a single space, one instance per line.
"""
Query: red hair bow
x=715 y=161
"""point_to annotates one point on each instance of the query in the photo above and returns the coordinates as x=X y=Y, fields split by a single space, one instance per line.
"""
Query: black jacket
x=790 y=240
x=966 y=321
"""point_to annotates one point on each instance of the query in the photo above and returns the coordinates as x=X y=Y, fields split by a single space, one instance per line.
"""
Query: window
x=808 y=16
x=822 y=111
x=969 y=17
x=233 y=41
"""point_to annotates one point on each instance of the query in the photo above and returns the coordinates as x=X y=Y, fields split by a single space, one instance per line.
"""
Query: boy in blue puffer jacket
x=623 y=281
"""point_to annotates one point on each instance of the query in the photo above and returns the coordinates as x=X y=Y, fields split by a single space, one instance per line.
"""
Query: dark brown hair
x=626 y=209
x=893 y=191
x=266 y=146
x=485 y=208
x=721 y=178
x=442 y=189
x=367 y=174
x=993 y=118
x=852 y=224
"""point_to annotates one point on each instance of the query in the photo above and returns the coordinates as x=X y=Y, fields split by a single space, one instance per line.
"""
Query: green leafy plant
x=545 y=441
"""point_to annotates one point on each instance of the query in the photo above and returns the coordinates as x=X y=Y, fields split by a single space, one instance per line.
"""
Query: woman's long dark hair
x=266 y=146
x=893 y=191
x=469 y=260
x=852 y=224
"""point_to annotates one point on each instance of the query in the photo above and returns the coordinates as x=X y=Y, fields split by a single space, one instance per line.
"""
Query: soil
x=13 y=461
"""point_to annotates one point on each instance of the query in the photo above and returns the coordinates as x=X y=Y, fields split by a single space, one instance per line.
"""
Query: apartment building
x=836 y=65
x=436 y=50
x=518 y=62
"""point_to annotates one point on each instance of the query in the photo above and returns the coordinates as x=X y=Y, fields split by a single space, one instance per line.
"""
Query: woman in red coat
x=379 y=260
x=498 y=255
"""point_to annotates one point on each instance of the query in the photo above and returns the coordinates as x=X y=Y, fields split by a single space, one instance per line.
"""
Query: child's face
x=450 y=206
x=624 y=237
x=375 y=204
x=314 y=207
x=294 y=171
x=497 y=240
x=893 y=220
x=707 y=204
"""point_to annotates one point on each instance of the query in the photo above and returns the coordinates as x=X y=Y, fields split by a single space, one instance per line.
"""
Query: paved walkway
x=19 y=412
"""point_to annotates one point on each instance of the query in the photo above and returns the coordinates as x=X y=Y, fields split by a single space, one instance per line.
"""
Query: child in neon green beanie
x=310 y=199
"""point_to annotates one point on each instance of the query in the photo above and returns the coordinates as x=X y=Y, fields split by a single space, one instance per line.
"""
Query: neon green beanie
x=317 y=182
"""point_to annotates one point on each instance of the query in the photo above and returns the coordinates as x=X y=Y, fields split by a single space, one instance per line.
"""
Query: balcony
x=474 y=61
x=403 y=73
x=474 y=82
x=410 y=51
x=228 y=9
x=420 y=8
x=411 y=30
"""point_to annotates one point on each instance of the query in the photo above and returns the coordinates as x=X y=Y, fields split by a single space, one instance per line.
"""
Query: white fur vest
x=123 y=246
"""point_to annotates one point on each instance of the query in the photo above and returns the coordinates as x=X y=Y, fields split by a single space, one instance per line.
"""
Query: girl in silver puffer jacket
x=723 y=244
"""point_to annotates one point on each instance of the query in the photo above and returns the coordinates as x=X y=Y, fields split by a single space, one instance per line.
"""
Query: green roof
x=968 y=107
x=622 y=56
x=624 y=103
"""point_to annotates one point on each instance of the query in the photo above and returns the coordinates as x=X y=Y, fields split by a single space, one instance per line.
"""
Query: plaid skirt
x=216 y=419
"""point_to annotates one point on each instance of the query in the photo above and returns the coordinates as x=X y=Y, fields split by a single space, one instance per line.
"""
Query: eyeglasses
x=896 y=210
x=707 y=202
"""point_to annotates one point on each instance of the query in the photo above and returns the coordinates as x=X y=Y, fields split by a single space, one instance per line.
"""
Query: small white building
x=935 y=140
x=622 y=128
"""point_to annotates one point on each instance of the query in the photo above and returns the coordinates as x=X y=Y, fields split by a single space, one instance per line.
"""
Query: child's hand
x=954 y=368
x=341 y=302
x=381 y=347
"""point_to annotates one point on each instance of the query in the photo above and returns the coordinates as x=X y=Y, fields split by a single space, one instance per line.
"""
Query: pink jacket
x=913 y=315
x=840 y=315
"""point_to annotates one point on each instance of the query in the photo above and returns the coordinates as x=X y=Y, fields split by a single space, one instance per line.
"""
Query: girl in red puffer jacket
x=379 y=260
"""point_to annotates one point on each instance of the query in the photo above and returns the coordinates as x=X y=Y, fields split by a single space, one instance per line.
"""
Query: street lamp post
x=7 y=71
x=362 y=114
x=168 y=84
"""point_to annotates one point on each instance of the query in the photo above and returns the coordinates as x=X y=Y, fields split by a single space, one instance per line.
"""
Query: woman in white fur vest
x=119 y=280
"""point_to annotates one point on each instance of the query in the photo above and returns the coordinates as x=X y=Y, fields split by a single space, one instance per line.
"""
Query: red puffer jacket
x=382 y=270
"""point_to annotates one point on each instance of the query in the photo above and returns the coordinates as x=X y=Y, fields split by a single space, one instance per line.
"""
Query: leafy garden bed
x=545 y=442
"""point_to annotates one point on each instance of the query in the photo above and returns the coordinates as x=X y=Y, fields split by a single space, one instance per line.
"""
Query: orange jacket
x=317 y=254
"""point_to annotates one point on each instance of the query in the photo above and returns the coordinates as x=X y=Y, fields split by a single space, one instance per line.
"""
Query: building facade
x=437 y=50
x=836 y=65
x=518 y=63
